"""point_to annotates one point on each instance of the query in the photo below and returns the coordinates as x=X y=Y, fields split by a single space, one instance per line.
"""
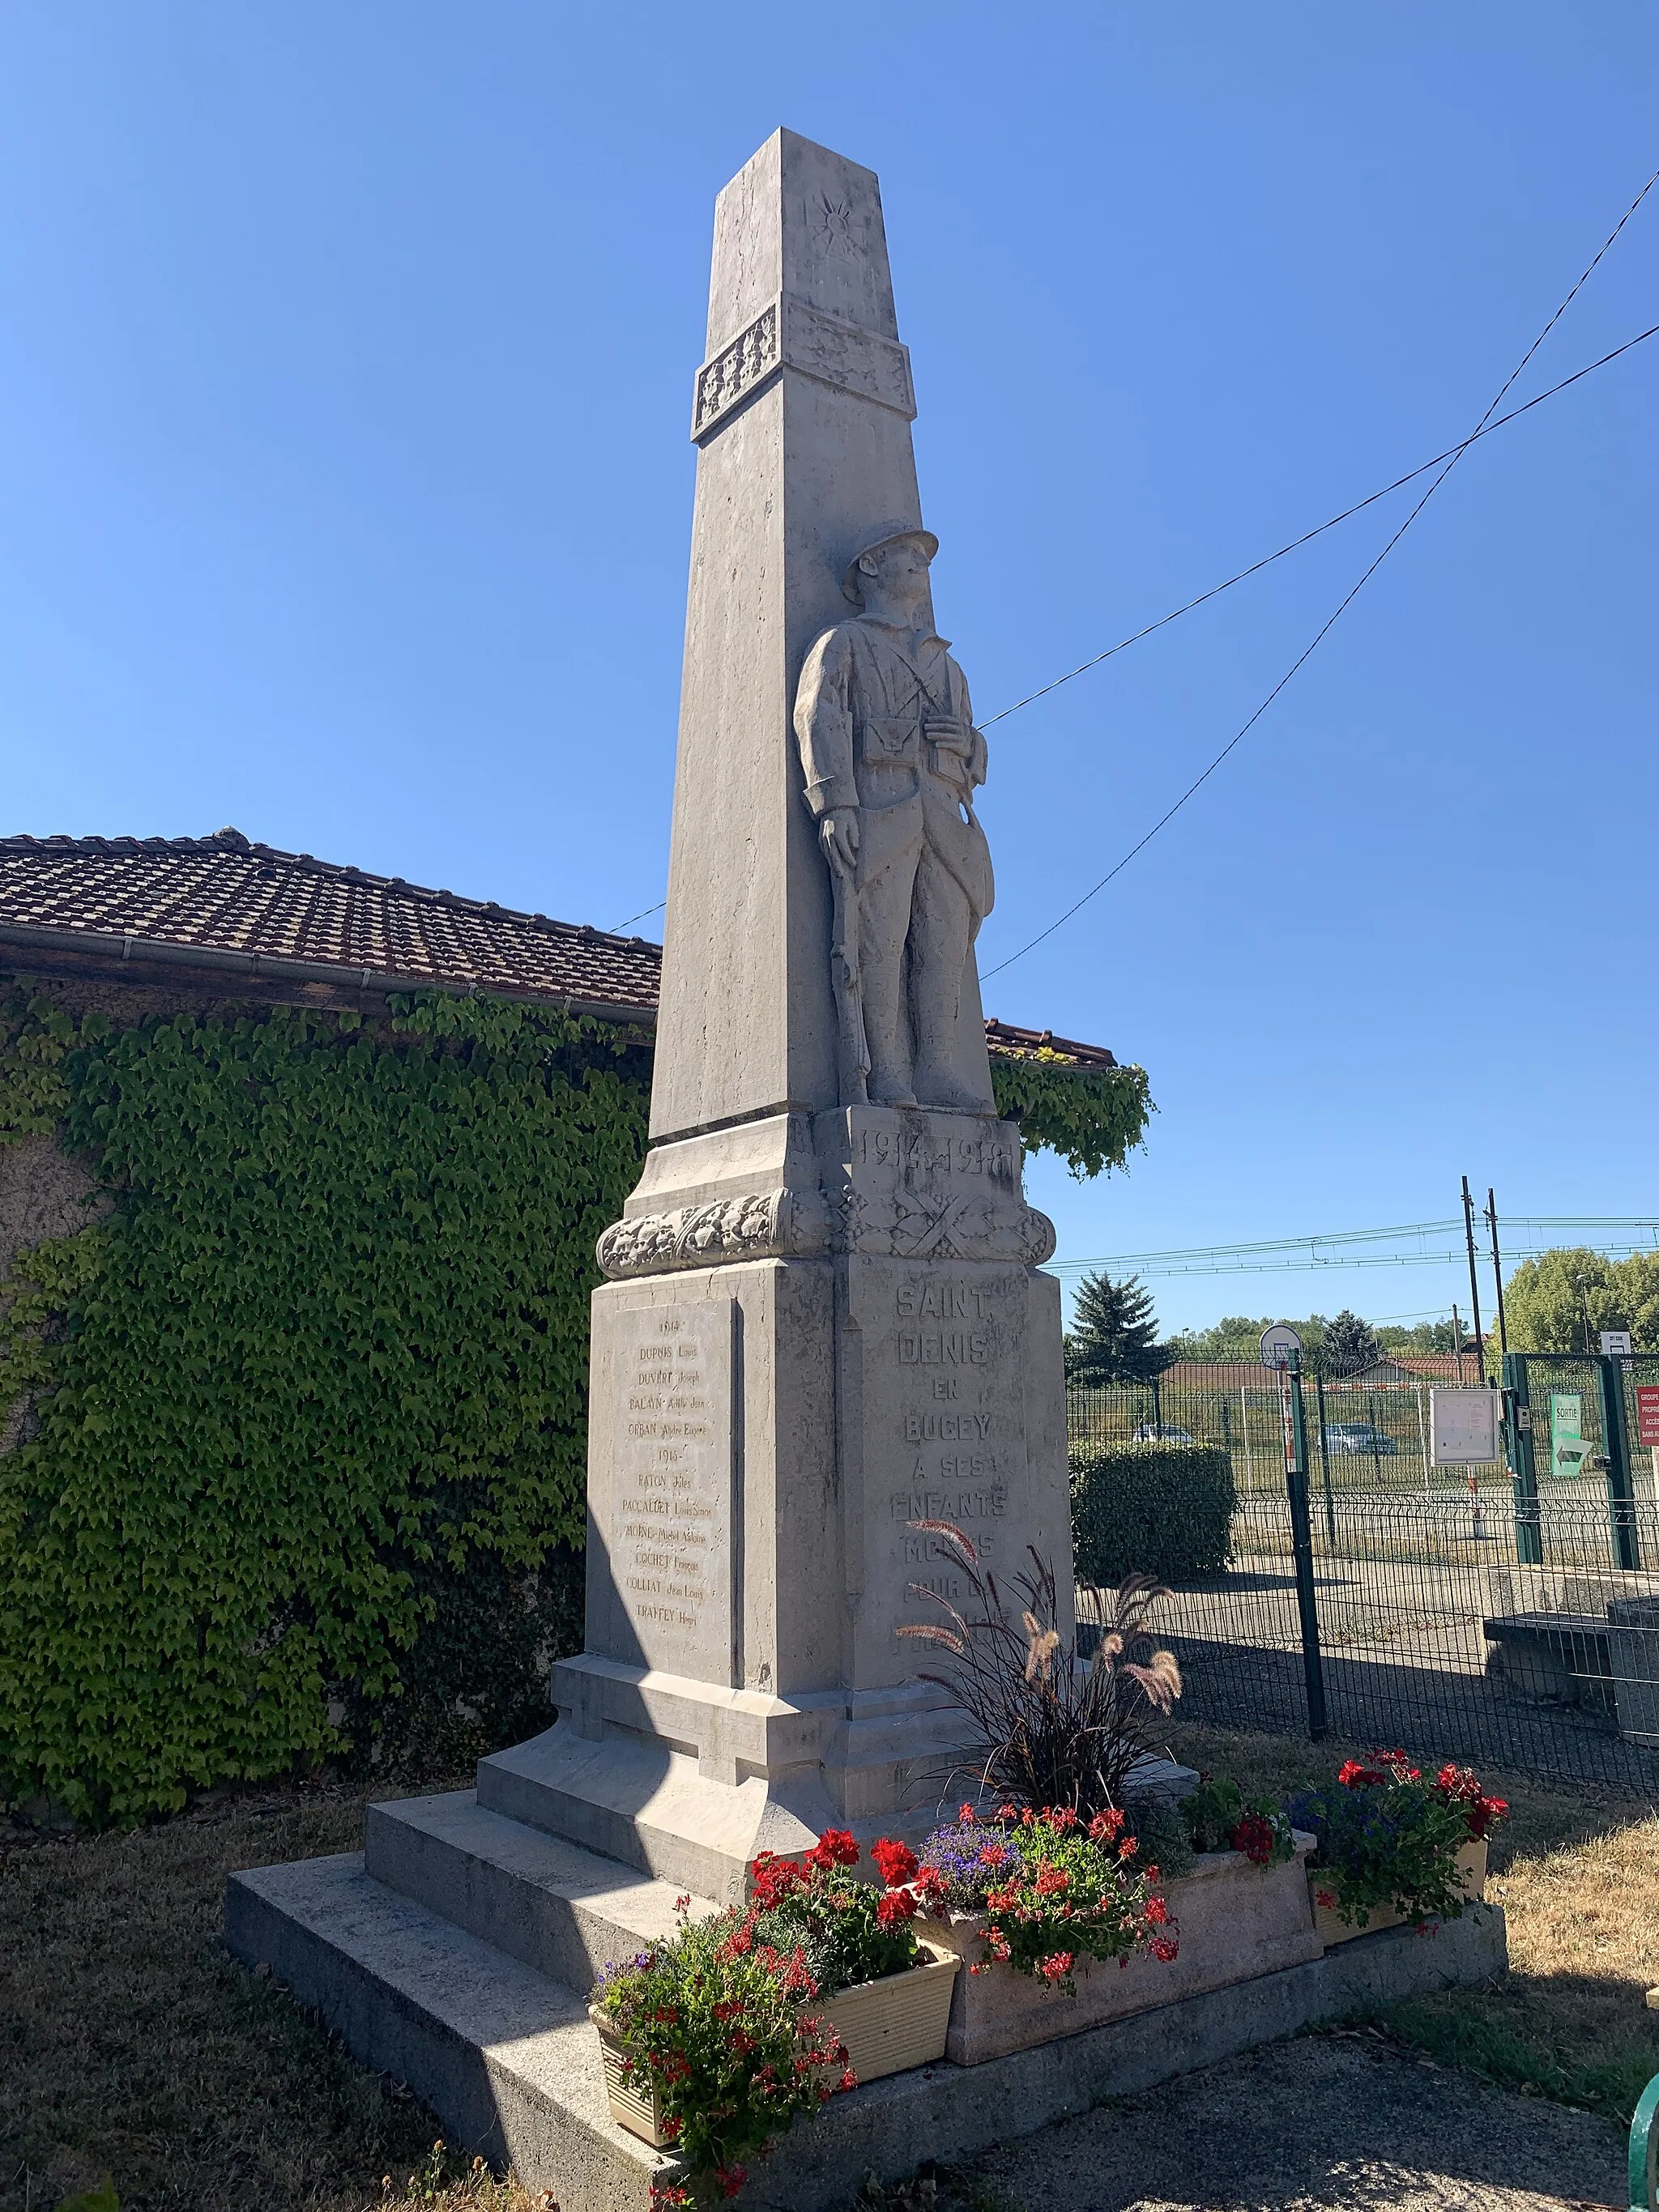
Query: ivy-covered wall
x=317 y=1383
x=298 y=1425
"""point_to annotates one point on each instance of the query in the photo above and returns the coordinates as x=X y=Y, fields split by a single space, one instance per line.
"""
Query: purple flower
x=614 y=1968
x=955 y=1851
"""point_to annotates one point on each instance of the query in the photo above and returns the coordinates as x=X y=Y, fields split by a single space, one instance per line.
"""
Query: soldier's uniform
x=924 y=868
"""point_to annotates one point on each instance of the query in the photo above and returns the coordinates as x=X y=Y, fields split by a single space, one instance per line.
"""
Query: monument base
x=825 y=1338
x=457 y=1951
x=687 y=1781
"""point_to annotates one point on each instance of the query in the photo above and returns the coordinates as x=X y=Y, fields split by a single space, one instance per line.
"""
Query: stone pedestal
x=764 y=1432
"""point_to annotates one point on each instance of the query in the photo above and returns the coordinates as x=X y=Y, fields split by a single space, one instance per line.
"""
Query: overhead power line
x=1450 y=453
x=617 y=928
x=1295 y=1255
x=1295 y=545
x=1454 y=454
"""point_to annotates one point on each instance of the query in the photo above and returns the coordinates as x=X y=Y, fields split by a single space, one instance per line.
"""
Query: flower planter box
x=888 y=2028
x=892 y=2025
x=1236 y=1921
x=1472 y=1873
x=632 y=2099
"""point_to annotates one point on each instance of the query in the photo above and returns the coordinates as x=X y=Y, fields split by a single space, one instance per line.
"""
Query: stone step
x=508 y=2059
x=505 y=2057
x=551 y=1903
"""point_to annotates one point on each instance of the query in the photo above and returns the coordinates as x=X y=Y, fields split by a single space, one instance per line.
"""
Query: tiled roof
x=221 y=902
x=231 y=901
x=1026 y=1044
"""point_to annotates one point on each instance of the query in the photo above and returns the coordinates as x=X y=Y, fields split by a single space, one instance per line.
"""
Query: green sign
x=1568 y=1444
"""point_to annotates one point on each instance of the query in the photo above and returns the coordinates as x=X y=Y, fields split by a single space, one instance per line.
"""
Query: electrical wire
x=1451 y=452
x=619 y=926
x=1272 y=1254
x=1295 y=545
x=1454 y=455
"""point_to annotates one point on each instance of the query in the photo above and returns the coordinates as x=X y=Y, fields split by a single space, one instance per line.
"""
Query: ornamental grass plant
x=1389 y=1837
x=1054 y=1891
x=1044 y=1730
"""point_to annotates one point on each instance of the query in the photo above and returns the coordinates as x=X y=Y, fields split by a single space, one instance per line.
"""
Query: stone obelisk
x=823 y=1322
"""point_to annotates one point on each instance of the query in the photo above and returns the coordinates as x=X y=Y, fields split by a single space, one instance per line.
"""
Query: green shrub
x=1164 y=1509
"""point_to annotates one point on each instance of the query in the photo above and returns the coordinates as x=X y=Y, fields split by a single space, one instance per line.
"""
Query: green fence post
x=1616 y=1443
x=1295 y=1477
x=1523 y=1467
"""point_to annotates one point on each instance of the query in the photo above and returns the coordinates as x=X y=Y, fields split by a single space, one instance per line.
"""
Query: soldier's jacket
x=863 y=698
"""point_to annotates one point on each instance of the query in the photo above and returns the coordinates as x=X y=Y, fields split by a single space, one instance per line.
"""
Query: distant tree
x=1563 y=1300
x=1350 y=1344
x=1236 y=1340
x=1422 y=1337
x=1113 y=1335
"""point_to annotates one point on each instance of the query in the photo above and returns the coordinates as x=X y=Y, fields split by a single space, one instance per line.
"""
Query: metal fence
x=1477 y=1614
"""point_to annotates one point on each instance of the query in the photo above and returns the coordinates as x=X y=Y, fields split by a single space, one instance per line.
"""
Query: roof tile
x=225 y=894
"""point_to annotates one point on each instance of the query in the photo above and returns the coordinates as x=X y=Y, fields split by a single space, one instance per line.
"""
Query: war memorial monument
x=824 y=1319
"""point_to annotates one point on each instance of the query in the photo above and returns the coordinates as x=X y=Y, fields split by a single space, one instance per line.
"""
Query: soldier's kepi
x=892 y=759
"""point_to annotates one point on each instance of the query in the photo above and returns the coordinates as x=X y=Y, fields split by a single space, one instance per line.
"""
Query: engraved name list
x=673 y=1494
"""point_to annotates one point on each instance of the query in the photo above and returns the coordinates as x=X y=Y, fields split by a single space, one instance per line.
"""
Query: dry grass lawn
x=131 y=2045
x=1576 y=1872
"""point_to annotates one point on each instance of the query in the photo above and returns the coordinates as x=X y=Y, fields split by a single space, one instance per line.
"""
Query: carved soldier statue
x=892 y=759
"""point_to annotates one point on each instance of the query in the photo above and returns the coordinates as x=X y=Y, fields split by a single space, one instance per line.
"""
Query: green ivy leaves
x=1092 y=1117
x=336 y=1335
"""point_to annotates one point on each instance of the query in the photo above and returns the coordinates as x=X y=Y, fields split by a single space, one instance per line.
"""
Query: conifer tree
x=1113 y=1335
x=1350 y=1345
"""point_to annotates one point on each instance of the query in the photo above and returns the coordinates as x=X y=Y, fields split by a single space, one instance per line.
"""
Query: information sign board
x=1615 y=1344
x=1463 y=1427
x=1647 y=1414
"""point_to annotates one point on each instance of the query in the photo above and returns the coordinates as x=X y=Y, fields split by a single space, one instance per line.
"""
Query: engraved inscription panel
x=961 y=1454
x=672 y=1523
x=943 y=1436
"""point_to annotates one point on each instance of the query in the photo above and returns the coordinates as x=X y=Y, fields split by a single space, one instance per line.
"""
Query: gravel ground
x=1336 y=2123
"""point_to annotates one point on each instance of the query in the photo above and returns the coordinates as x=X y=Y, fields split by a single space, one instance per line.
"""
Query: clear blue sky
x=345 y=356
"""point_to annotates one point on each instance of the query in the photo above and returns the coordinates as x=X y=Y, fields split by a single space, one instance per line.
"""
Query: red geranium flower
x=897 y=1861
x=894 y=1908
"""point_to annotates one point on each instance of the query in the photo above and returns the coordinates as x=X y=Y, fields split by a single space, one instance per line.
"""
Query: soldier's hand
x=948 y=732
x=838 y=833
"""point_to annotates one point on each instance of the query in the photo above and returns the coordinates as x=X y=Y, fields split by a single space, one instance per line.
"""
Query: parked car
x=1357 y=1437
x=1160 y=1432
